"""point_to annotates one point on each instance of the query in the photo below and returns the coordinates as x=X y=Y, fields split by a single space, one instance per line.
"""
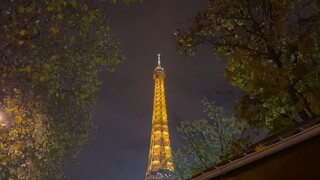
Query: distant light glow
x=2 y=120
x=160 y=158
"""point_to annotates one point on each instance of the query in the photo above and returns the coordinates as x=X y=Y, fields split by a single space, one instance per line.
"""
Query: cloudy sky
x=119 y=149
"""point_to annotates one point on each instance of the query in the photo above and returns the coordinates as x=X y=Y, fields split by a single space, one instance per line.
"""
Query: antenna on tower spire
x=159 y=61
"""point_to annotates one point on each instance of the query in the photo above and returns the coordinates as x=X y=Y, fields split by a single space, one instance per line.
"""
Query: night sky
x=119 y=149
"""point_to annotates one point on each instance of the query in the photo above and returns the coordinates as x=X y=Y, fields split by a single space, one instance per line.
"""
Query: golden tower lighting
x=160 y=164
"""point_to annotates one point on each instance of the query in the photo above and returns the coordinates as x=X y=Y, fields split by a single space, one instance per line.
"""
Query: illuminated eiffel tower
x=160 y=165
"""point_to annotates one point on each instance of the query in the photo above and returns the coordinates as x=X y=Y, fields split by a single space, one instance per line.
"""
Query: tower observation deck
x=160 y=164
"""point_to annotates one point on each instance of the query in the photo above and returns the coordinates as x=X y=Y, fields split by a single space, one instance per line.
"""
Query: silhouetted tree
x=206 y=141
x=272 y=48
x=51 y=53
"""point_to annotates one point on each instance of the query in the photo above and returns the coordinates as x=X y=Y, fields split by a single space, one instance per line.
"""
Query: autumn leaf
x=23 y=32
x=74 y=3
x=260 y=147
x=26 y=69
x=19 y=119
x=60 y=16
x=85 y=7
x=54 y=30
x=21 y=9
x=50 y=8
x=29 y=9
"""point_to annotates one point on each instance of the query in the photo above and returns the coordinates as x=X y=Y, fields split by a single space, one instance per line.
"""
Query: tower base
x=158 y=178
x=159 y=175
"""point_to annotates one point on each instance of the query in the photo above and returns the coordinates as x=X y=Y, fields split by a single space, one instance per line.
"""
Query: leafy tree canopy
x=51 y=53
x=208 y=141
x=272 y=48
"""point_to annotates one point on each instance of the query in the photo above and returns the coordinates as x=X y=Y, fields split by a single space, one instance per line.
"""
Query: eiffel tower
x=160 y=166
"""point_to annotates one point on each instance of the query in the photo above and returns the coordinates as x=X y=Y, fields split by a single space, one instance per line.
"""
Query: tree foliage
x=51 y=53
x=272 y=48
x=206 y=141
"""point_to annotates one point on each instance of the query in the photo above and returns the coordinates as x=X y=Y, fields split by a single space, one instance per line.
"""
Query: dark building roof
x=291 y=154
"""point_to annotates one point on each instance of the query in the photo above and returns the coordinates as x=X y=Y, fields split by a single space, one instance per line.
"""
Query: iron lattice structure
x=160 y=164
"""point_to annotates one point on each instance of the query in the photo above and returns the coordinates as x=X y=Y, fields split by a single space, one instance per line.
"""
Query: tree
x=206 y=141
x=272 y=49
x=50 y=58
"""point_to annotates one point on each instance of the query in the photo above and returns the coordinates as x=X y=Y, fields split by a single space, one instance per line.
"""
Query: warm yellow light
x=2 y=120
x=155 y=162
x=160 y=157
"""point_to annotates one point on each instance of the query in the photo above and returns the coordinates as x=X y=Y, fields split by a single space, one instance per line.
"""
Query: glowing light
x=160 y=157
x=2 y=120
x=159 y=61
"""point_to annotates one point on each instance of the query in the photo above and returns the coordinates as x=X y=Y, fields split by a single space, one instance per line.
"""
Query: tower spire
x=160 y=164
x=159 y=61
